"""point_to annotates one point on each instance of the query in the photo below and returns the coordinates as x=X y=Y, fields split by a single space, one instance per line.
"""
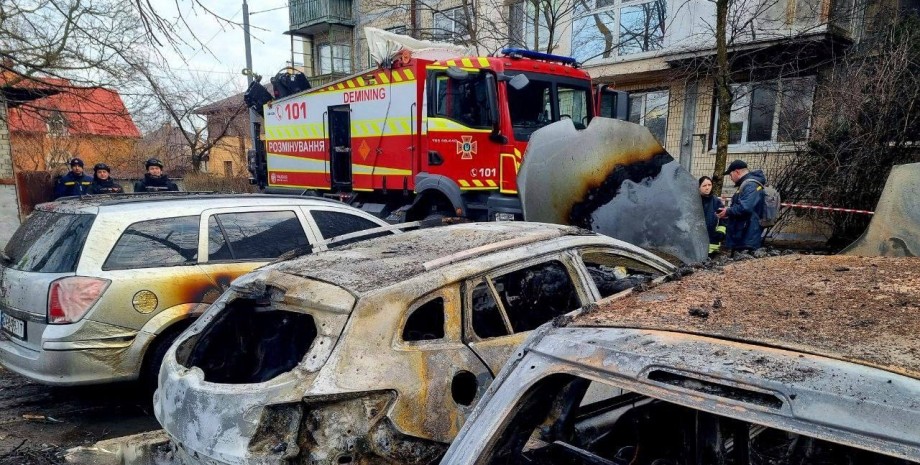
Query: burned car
x=95 y=289
x=788 y=360
x=376 y=352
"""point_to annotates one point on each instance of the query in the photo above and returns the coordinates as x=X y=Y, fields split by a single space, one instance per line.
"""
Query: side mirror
x=454 y=72
x=519 y=82
x=492 y=92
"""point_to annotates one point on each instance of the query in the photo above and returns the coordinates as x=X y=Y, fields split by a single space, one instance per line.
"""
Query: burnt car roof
x=858 y=309
x=384 y=261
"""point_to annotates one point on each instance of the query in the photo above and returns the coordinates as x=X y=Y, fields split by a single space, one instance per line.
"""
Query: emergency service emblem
x=466 y=147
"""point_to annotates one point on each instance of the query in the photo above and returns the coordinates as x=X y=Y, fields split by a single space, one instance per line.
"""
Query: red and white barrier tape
x=830 y=209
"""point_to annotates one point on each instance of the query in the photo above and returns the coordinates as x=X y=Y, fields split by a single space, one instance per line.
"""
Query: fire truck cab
x=422 y=137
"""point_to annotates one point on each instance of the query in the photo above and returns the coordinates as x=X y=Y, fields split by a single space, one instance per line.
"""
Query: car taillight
x=69 y=298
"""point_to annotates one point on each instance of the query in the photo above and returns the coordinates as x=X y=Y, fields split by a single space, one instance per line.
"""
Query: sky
x=225 y=45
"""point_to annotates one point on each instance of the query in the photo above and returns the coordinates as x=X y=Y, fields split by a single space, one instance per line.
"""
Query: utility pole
x=246 y=38
x=255 y=119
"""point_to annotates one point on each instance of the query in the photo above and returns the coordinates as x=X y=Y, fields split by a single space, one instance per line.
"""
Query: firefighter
x=155 y=180
x=75 y=182
x=103 y=182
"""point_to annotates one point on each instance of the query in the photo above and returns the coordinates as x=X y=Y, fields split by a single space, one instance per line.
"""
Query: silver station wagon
x=94 y=290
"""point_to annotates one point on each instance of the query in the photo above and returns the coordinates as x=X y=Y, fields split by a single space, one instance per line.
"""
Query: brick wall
x=6 y=155
x=9 y=203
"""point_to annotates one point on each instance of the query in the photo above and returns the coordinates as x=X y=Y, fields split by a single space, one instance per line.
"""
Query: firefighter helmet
x=102 y=166
x=153 y=162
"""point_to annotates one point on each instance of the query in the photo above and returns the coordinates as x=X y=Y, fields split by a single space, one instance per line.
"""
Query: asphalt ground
x=39 y=423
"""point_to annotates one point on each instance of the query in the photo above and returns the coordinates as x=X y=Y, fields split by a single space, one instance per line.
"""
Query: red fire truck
x=422 y=137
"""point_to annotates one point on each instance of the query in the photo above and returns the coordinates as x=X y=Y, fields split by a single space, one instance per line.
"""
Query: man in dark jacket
x=102 y=181
x=155 y=180
x=744 y=232
x=74 y=182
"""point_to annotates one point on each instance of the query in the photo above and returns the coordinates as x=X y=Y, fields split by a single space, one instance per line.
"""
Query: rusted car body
x=376 y=352
x=95 y=289
x=789 y=360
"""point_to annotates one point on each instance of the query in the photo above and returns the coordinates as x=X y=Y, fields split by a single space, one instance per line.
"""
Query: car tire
x=153 y=358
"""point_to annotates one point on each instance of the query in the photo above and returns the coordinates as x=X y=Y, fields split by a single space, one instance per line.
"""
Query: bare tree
x=175 y=101
x=750 y=53
x=866 y=121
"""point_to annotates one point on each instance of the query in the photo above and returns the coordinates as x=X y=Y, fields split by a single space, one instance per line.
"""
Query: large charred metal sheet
x=895 y=229
x=613 y=178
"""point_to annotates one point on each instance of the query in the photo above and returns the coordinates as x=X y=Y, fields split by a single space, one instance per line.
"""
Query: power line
x=266 y=11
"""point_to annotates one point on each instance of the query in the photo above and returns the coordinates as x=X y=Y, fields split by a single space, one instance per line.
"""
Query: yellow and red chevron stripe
x=371 y=79
x=473 y=184
x=469 y=63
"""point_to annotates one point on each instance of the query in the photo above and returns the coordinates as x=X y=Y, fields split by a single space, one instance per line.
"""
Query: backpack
x=772 y=202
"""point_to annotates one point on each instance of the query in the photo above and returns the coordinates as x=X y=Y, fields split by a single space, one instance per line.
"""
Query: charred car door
x=503 y=306
x=429 y=334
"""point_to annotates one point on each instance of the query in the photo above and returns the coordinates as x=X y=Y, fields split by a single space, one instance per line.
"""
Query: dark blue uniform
x=744 y=231
x=159 y=183
x=71 y=184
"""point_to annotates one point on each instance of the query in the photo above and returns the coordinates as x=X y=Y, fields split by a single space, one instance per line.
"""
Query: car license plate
x=14 y=326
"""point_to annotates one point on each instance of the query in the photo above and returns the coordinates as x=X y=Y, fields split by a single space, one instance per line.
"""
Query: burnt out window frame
x=204 y=238
x=578 y=257
x=318 y=234
x=448 y=294
x=566 y=258
x=554 y=382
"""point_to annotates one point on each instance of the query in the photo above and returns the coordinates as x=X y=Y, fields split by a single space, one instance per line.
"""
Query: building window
x=334 y=58
x=771 y=111
x=57 y=124
x=401 y=30
x=609 y=28
x=650 y=109
x=530 y=20
x=450 y=25
x=228 y=168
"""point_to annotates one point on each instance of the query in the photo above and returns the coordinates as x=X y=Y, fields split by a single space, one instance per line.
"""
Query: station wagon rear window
x=49 y=242
x=156 y=243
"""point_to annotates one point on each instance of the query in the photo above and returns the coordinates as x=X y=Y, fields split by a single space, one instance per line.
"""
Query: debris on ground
x=39 y=423
x=793 y=299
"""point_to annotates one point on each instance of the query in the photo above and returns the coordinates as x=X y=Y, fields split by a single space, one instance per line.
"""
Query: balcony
x=324 y=79
x=307 y=17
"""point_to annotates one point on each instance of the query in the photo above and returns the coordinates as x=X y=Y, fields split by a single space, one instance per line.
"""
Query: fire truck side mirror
x=492 y=92
x=454 y=72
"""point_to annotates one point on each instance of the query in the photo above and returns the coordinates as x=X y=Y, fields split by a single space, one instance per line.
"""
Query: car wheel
x=150 y=369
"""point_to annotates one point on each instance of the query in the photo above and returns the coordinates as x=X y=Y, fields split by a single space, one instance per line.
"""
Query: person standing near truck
x=711 y=204
x=75 y=182
x=744 y=232
x=155 y=180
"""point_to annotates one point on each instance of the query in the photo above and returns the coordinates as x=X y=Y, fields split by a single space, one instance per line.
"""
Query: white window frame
x=644 y=110
x=615 y=7
x=774 y=144
x=339 y=58
x=529 y=12
x=447 y=24
x=56 y=124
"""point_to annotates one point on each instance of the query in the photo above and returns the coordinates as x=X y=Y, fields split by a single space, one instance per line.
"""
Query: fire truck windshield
x=546 y=99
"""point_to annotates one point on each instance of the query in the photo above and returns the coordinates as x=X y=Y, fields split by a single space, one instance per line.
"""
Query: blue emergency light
x=523 y=53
